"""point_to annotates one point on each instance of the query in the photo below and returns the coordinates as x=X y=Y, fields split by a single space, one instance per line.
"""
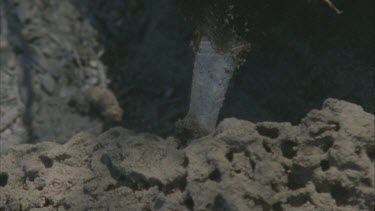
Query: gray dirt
x=324 y=163
x=48 y=60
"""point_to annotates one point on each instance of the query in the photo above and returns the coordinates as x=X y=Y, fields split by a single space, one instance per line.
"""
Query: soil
x=324 y=163
x=50 y=59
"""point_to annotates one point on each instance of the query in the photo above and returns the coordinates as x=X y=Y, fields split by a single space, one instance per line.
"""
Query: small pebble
x=93 y=63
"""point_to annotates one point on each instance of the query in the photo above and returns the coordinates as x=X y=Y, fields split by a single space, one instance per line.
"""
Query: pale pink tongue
x=211 y=75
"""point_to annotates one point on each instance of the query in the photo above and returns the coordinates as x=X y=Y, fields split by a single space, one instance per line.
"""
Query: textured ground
x=49 y=58
x=324 y=163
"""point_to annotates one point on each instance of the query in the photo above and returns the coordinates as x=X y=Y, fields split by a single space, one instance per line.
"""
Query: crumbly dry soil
x=50 y=58
x=324 y=163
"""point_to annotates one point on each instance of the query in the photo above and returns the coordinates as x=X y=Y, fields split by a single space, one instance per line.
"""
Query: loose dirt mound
x=50 y=56
x=324 y=163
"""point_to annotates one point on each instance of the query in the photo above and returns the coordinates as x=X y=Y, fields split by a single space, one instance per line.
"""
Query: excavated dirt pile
x=51 y=77
x=324 y=163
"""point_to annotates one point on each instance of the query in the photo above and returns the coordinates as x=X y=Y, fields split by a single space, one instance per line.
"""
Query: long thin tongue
x=211 y=75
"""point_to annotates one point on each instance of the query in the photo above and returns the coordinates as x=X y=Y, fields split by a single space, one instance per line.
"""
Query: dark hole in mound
x=182 y=184
x=371 y=152
x=229 y=156
x=274 y=187
x=47 y=202
x=186 y=162
x=322 y=186
x=327 y=143
x=366 y=181
x=288 y=149
x=277 y=206
x=340 y=194
x=3 y=179
x=31 y=175
x=358 y=150
x=253 y=164
x=267 y=131
x=47 y=162
x=293 y=183
x=220 y=204
x=298 y=177
x=215 y=175
x=189 y=202
x=298 y=201
x=324 y=164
